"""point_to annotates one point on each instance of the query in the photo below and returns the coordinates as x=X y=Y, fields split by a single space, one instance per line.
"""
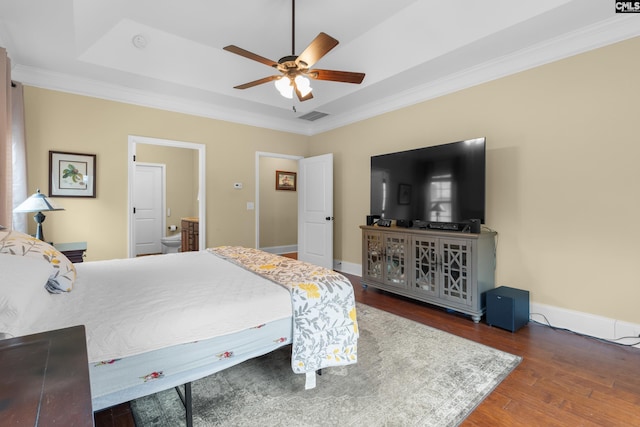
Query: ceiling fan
x=295 y=70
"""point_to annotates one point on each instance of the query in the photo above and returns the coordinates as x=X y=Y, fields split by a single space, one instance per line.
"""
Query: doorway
x=265 y=185
x=199 y=185
x=313 y=202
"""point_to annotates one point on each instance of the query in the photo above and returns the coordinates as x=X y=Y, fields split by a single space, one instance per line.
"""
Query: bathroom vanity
x=190 y=236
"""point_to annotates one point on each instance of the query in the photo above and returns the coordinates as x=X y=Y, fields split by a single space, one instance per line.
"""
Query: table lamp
x=38 y=202
x=437 y=208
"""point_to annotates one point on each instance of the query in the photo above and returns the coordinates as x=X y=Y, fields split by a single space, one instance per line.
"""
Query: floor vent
x=313 y=116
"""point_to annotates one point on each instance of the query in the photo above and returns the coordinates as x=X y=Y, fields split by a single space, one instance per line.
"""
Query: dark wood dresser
x=44 y=380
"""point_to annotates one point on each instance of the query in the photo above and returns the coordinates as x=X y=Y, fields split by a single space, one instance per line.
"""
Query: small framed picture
x=286 y=180
x=72 y=174
x=404 y=194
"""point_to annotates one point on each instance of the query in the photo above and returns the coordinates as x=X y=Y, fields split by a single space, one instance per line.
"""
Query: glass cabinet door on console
x=456 y=271
x=385 y=258
x=441 y=268
x=395 y=259
x=425 y=265
x=372 y=256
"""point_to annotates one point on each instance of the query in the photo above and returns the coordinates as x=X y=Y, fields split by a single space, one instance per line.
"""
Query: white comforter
x=131 y=306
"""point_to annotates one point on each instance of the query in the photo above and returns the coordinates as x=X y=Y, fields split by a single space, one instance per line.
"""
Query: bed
x=157 y=322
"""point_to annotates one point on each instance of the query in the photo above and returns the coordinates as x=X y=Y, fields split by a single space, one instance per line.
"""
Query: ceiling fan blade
x=318 y=48
x=257 y=82
x=250 y=55
x=336 y=76
x=303 y=98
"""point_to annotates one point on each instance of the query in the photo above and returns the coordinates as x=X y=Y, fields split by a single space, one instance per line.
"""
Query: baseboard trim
x=278 y=250
x=347 y=267
x=586 y=323
x=583 y=323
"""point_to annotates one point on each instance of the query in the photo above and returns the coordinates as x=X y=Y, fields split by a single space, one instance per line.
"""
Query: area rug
x=407 y=374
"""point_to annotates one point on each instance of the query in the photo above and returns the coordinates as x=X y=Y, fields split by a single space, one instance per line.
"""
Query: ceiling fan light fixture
x=298 y=68
x=285 y=87
x=303 y=85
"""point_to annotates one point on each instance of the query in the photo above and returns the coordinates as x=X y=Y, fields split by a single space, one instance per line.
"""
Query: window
x=440 y=191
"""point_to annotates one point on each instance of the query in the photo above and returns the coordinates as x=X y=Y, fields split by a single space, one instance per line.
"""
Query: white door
x=148 y=199
x=315 y=210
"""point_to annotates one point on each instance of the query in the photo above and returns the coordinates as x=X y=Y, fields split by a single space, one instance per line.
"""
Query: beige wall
x=64 y=122
x=562 y=175
x=562 y=171
x=278 y=208
x=181 y=179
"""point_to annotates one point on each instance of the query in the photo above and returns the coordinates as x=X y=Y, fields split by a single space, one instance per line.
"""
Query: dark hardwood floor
x=563 y=380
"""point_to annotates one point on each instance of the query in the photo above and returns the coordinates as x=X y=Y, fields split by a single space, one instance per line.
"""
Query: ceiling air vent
x=313 y=116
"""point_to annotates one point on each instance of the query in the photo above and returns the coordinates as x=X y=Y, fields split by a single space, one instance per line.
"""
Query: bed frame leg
x=186 y=401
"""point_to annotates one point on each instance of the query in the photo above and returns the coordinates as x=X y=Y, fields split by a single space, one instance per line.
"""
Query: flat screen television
x=443 y=183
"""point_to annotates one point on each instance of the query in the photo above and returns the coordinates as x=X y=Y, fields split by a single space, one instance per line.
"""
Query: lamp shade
x=437 y=207
x=37 y=202
x=303 y=85
x=285 y=87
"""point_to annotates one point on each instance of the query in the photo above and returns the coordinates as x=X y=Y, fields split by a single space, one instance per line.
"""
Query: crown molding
x=615 y=29
x=68 y=83
x=599 y=35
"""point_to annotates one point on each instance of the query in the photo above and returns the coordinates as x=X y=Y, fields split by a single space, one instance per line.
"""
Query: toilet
x=171 y=244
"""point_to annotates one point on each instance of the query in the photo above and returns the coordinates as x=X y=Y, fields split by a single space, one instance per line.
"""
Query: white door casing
x=315 y=210
x=202 y=191
x=149 y=205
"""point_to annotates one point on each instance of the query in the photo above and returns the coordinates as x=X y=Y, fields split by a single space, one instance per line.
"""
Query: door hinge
x=134 y=157
x=134 y=210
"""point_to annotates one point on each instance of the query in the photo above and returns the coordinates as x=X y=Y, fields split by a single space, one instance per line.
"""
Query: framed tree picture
x=286 y=180
x=72 y=174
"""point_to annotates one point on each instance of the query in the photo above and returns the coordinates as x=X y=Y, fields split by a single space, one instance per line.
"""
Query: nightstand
x=45 y=379
x=74 y=251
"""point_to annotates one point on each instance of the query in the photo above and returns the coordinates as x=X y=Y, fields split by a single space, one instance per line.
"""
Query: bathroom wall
x=181 y=179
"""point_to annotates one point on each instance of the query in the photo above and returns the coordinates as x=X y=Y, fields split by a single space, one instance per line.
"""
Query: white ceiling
x=410 y=50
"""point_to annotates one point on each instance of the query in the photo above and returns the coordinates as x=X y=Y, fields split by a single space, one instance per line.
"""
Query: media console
x=444 y=268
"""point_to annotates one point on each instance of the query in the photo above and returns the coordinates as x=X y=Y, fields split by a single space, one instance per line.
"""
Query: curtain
x=13 y=153
x=19 y=156
x=6 y=179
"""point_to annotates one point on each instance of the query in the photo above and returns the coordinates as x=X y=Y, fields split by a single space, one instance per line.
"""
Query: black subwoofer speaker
x=507 y=308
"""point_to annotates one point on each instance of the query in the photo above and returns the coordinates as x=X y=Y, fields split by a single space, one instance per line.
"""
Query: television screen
x=442 y=183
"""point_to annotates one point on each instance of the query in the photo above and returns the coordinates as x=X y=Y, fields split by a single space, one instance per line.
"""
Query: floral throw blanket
x=325 y=329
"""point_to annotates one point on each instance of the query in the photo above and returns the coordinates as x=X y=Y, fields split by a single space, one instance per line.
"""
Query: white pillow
x=62 y=272
x=21 y=293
